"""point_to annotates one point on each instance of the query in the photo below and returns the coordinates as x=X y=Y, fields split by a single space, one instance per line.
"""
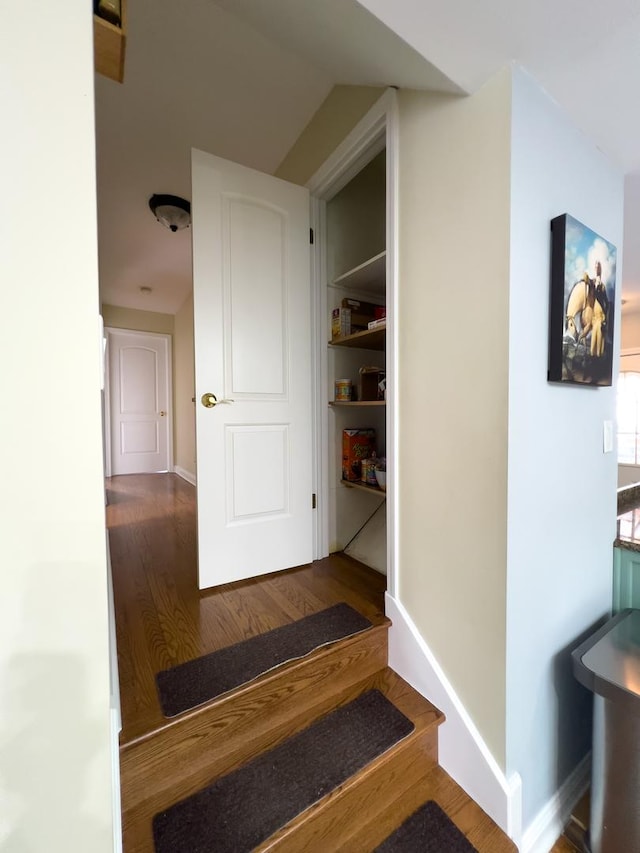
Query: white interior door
x=139 y=392
x=251 y=262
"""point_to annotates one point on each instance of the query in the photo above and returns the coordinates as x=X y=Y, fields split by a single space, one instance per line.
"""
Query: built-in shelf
x=368 y=339
x=357 y=402
x=109 y=44
x=363 y=487
x=369 y=277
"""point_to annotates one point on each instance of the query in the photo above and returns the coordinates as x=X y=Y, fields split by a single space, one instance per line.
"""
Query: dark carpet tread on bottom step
x=428 y=830
x=197 y=681
x=242 y=809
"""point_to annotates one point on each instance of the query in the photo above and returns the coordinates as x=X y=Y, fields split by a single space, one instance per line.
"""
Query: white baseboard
x=186 y=475
x=548 y=825
x=462 y=751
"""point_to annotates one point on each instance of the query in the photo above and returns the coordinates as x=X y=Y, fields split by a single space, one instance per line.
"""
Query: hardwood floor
x=162 y=619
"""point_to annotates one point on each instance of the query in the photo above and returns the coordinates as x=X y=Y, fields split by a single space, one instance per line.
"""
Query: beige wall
x=55 y=765
x=139 y=321
x=184 y=389
x=337 y=116
x=453 y=371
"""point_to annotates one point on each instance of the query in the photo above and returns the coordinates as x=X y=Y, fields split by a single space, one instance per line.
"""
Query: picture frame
x=581 y=304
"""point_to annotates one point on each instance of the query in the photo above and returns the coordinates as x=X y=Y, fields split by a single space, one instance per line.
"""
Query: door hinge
x=314 y=502
x=311 y=236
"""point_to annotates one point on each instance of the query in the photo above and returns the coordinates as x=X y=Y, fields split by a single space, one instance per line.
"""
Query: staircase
x=198 y=747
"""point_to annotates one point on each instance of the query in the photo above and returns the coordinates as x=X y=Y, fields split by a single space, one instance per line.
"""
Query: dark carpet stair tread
x=433 y=784
x=203 y=679
x=333 y=823
x=429 y=830
x=242 y=809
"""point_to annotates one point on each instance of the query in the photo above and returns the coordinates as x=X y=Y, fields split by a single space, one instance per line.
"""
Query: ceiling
x=242 y=78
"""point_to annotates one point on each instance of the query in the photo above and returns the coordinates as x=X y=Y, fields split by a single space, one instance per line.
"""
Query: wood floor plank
x=292 y=596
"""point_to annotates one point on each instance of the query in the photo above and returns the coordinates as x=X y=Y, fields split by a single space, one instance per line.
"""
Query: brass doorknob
x=210 y=400
x=162 y=414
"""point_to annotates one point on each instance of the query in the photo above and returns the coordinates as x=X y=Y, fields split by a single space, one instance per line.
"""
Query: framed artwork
x=581 y=312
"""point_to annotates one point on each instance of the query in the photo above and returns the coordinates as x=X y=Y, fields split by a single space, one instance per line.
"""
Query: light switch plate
x=607 y=436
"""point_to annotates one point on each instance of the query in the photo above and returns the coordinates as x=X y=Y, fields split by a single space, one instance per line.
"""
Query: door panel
x=256 y=315
x=252 y=342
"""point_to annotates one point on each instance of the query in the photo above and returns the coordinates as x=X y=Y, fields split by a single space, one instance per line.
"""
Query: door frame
x=376 y=131
x=108 y=331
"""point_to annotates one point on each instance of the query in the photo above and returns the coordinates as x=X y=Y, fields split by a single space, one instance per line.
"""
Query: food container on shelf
x=343 y=390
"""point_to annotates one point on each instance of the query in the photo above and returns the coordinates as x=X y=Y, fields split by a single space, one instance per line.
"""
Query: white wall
x=630 y=326
x=629 y=361
x=453 y=369
x=55 y=771
x=562 y=488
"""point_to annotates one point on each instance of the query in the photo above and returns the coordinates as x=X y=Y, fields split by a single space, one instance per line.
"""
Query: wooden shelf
x=364 y=487
x=369 y=277
x=357 y=402
x=368 y=339
x=109 y=43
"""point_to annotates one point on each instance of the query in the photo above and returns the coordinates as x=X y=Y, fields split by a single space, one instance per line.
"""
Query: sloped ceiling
x=242 y=78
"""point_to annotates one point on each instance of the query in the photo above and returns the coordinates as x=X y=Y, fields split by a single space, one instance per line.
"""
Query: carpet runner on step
x=245 y=807
x=428 y=830
x=198 y=681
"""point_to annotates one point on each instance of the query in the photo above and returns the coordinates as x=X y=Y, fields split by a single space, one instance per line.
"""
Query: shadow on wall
x=575 y=709
x=52 y=743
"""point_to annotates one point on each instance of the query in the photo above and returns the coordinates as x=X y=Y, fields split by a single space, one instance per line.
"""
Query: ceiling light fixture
x=171 y=211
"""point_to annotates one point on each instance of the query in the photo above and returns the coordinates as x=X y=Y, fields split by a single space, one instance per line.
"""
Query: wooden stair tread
x=436 y=785
x=321 y=826
x=131 y=736
x=286 y=669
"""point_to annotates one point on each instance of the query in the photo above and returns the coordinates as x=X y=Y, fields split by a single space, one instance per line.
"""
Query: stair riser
x=187 y=755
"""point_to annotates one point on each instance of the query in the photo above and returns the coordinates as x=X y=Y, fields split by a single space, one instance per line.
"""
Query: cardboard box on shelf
x=366 y=308
x=340 y=323
x=369 y=383
x=377 y=324
x=357 y=444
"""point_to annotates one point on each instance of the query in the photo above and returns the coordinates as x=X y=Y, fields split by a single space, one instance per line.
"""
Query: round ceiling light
x=171 y=211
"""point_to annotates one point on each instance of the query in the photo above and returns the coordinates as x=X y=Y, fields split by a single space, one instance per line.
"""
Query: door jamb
x=377 y=130
x=108 y=331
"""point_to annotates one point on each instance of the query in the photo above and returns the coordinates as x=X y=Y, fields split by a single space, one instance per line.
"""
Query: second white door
x=138 y=396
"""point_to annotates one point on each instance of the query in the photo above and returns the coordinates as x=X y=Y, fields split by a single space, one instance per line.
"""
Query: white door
x=138 y=401
x=251 y=267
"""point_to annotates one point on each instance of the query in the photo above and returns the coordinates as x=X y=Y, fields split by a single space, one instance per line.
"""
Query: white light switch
x=607 y=436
